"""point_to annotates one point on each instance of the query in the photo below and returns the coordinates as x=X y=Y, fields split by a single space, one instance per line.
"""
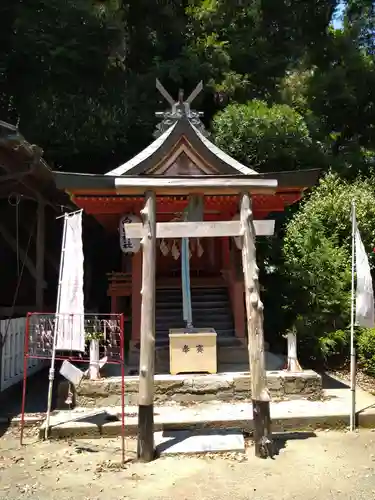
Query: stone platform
x=287 y=416
x=232 y=355
x=282 y=385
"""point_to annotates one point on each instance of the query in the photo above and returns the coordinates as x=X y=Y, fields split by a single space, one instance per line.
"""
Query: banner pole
x=52 y=368
x=352 y=312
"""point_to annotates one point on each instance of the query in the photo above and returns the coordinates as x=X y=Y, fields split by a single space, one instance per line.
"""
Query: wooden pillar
x=136 y=295
x=225 y=252
x=145 y=449
x=114 y=304
x=40 y=252
x=237 y=294
x=254 y=311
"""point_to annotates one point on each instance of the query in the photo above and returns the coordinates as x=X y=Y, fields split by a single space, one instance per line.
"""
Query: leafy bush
x=330 y=348
x=317 y=260
x=366 y=350
x=335 y=346
x=267 y=138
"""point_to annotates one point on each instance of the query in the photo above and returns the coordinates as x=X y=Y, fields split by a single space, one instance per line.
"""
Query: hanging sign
x=128 y=245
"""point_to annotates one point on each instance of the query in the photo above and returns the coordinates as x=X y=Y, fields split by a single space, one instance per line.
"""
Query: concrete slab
x=194 y=442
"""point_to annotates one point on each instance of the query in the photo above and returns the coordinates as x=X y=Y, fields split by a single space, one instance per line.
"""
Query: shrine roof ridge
x=25 y=169
x=181 y=130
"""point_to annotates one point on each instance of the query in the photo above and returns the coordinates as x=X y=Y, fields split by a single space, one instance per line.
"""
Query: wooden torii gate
x=148 y=232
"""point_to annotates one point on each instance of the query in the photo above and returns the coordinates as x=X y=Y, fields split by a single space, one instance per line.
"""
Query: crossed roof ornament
x=179 y=109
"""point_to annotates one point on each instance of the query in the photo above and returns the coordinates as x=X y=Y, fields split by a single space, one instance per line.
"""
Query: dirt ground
x=329 y=465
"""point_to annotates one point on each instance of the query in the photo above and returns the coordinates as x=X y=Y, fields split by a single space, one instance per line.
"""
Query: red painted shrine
x=180 y=151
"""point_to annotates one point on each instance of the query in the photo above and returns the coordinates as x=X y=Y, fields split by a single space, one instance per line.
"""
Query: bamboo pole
x=145 y=448
x=254 y=312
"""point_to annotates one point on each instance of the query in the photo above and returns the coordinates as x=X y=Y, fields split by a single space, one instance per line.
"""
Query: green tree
x=62 y=73
x=317 y=255
x=267 y=138
x=245 y=46
x=334 y=92
x=341 y=92
x=359 y=20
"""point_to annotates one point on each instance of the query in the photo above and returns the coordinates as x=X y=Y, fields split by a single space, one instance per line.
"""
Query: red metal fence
x=40 y=332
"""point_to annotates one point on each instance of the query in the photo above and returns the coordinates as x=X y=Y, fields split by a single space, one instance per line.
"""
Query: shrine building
x=180 y=154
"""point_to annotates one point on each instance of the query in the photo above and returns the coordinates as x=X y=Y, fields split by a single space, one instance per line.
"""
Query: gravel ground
x=329 y=465
x=365 y=382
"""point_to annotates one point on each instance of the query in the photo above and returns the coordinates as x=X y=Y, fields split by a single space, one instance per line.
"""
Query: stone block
x=242 y=383
x=313 y=384
x=302 y=382
x=225 y=395
x=211 y=385
x=275 y=383
x=168 y=385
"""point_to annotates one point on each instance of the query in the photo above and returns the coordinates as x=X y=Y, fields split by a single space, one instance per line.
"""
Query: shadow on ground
x=329 y=382
x=36 y=397
x=280 y=440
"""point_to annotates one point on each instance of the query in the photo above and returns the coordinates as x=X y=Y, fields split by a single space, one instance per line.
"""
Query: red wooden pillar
x=237 y=294
x=136 y=295
x=225 y=252
x=239 y=309
x=114 y=304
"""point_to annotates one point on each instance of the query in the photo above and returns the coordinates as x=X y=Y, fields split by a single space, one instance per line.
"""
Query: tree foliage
x=245 y=46
x=269 y=138
x=317 y=253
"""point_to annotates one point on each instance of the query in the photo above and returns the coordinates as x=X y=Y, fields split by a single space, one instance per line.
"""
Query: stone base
x=185 y=388
x=232 y=355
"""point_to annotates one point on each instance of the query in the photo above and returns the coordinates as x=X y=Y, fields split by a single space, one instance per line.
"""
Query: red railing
x=39 y=342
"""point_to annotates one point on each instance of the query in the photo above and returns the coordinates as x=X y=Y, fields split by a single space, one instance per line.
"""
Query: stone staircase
x=210 y=306
x=211 y=309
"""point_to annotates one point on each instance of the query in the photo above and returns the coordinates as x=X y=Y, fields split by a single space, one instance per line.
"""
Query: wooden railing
x=12 y=333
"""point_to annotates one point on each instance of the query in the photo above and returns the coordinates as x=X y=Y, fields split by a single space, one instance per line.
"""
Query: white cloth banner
x=364 y=315
x=70 y=327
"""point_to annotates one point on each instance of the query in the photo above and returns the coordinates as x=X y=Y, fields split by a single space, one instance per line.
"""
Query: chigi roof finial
x=179 y=109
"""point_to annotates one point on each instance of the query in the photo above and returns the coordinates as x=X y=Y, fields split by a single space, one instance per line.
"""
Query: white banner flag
x=364 y=314
x=70 y=331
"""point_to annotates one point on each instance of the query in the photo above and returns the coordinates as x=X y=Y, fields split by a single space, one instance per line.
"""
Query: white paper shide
x=364 y=314
x=70 y=334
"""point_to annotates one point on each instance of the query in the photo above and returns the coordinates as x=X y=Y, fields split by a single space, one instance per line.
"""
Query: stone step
x=233 y=354
x=193 y=291
x=210 y=308
x=229 y=358
x=225 y=340
x=177 y=297
x=198 y=314
x=163 y=334
x=196 y=306
x=226 y=355
x=218 y=324
x=198 y=387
